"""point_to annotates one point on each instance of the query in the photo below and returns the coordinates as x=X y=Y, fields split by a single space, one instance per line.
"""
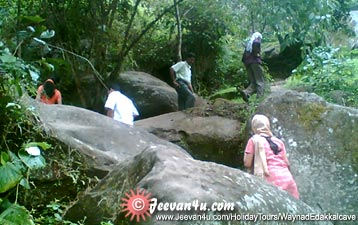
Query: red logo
x=136 y=205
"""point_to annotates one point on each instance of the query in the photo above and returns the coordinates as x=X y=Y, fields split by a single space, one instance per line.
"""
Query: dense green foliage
x=140 y=35
x=18 y=154
x=22 y=143
x=331 y=73
x=23 y=148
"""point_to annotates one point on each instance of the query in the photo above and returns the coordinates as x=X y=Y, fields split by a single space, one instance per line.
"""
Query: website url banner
x=254 y=217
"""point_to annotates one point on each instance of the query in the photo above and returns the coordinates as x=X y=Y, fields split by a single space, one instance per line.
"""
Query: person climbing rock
x=266 y=154
x=48 y=93
x=253 y=64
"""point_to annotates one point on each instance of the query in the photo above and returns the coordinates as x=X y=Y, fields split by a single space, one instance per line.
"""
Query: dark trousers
x=256 y=78
x=186 y=98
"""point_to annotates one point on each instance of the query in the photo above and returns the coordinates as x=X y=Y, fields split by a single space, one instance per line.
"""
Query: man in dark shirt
x=252 y=61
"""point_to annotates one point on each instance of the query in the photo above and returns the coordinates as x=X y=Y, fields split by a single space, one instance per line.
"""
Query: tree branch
x=126 y=48
x=177 y=15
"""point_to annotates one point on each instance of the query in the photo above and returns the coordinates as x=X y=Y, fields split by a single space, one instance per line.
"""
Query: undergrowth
x=331 y=73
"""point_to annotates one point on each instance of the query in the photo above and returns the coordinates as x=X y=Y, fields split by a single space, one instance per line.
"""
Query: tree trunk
x=127 y=47
x=123 y=52
x=180 y=35
x=18 y=48
x=252 y=23
x=78 y=84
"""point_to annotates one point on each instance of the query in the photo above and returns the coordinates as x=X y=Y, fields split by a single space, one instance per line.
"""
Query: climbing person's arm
x=110 y=104
x=38 y=93
x=173 y=76
x=248 y=159
x=249 y=156
x=110 y=112
x=59 y=98
x=191 y=87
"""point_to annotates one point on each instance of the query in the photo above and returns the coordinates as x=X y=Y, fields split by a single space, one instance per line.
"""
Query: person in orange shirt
x=48 y=94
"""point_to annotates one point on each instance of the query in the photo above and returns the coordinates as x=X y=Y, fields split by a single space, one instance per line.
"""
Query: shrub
x=330 y=73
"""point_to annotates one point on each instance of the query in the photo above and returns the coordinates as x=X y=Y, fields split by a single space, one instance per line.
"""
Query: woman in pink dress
x=267 y=155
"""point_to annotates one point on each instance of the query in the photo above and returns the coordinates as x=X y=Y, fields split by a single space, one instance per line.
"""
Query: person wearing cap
x=252 y=61
x=266 y=154
x=120 y=107
x=180 y=74
x=48 y=93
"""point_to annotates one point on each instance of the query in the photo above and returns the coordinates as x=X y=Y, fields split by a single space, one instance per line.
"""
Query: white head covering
x=260 y=124
x=253 y=37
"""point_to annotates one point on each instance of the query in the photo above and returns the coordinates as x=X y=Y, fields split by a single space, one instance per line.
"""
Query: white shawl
x=253 y=37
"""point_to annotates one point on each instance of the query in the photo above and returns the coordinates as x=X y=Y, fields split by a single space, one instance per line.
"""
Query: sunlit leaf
x=34 y=151
x=25 y=183
x=40 y=41
x=33 y=162
x=8 y=58
x=12 y=104
x=43 y=145
x=34 y=19
x=4 y=158
x=34 y=75
x=48 y=34
x=31 y=28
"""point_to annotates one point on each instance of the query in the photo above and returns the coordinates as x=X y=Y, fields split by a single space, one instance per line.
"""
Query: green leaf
x=4 y=158
x=34 y=75
x=6 y=222
x=43 y=145
x=48 y=34
x=33 y=162
x=12 y=104
x=16 y=215
x=58 y=217
x=25 y=183
x=33 y=19
x=16 y=161
x=10 y=176
x=8 y=58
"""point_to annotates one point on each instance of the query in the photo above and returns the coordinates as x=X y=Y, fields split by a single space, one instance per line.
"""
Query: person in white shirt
x=120 y=107
x=181 y=77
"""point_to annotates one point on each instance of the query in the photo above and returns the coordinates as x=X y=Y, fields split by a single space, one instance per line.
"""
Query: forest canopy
x=87 y=43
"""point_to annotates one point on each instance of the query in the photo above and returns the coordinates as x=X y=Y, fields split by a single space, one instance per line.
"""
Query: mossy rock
x=310 y=115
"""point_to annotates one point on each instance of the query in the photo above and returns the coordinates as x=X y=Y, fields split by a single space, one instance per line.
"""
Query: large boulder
x=151 y=96
x=210 y=133
x=172 y=176
x=322 y=146
x=101 y=140
x=86 y=146
x=135 y=158
x=319 y=138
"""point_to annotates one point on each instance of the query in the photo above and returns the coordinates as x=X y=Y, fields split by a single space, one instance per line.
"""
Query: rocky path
x=277 y=85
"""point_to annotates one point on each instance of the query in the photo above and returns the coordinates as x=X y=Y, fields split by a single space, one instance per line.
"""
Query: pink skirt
x=282 y=178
